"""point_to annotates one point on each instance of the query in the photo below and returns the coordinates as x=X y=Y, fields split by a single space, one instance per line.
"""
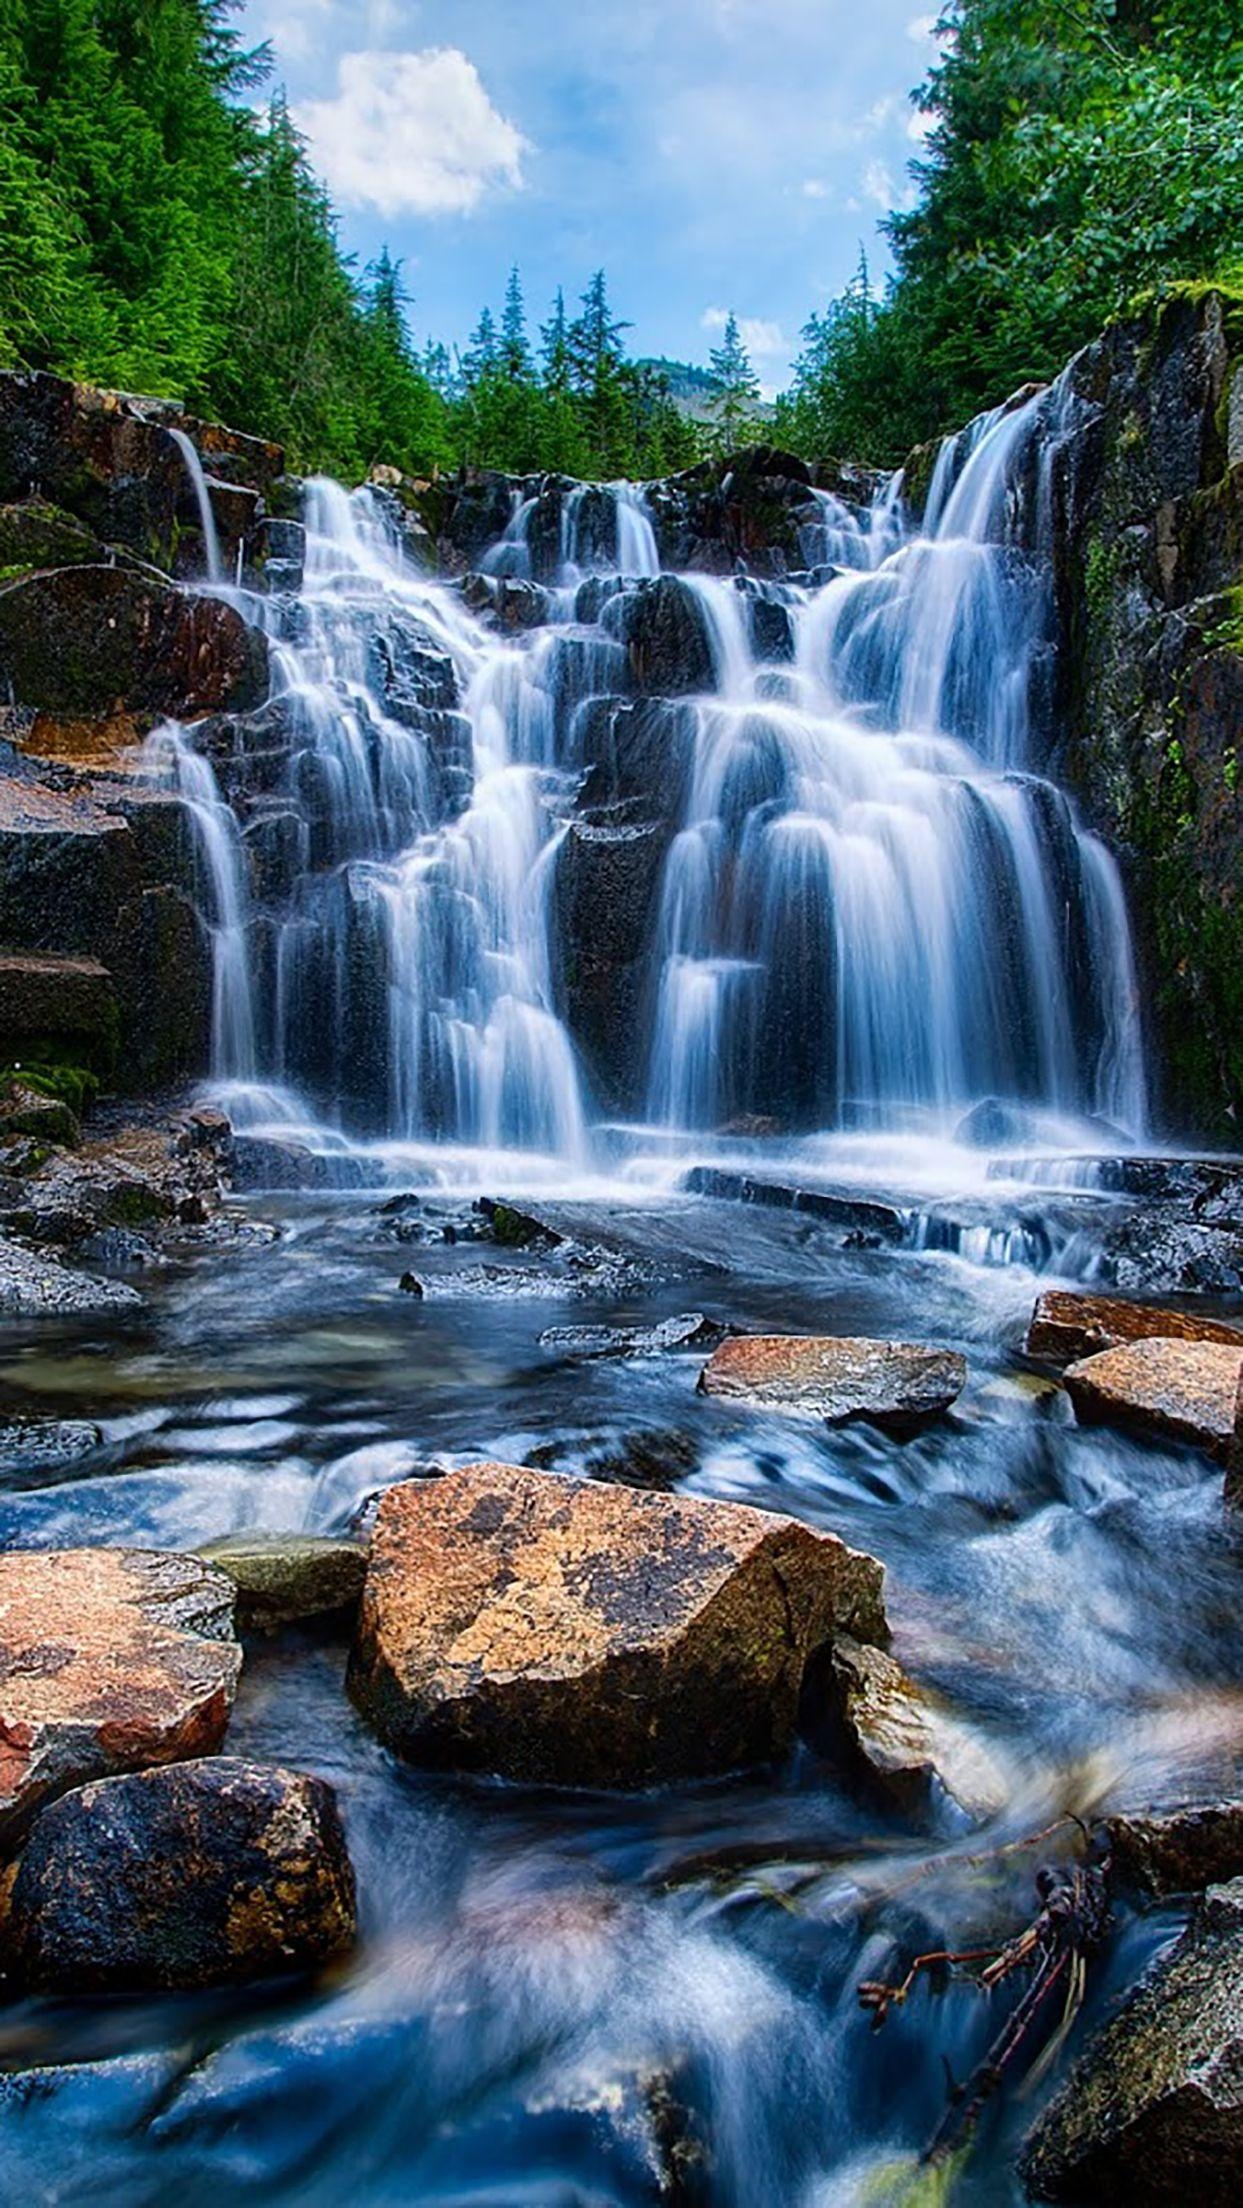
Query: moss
x=1227 y=633
x=1100 y=573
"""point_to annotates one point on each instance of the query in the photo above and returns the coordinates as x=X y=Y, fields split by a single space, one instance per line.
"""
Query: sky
x=710 y=155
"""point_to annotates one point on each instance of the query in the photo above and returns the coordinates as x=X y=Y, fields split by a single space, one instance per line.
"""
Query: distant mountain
x=692 y=389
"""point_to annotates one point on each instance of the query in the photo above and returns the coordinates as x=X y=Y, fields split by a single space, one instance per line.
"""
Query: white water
x=207 y=520
x=869 y=907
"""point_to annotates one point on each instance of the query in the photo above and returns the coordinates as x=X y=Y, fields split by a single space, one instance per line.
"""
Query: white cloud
x=920 y=127
x=877 y=184
x=412 y=133
x=921 y=27
x=763 y=340
x=814 y=187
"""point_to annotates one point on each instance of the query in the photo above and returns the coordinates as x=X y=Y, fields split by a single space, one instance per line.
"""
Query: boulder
x=94 y=639
x=110 y=1659
x=200 y=1874
x=1178 y=1851
x=1066 y=1327
x=42 y=1450
x=1164 y=1390
x=36 y=1285
x=1154 y=2111
x=565 y=1631
x=906 y=1743
x=897 y=1385
x=281 y=1577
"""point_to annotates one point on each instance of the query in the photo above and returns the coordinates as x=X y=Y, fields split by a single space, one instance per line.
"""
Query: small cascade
x=226 y=904
x=864 y=905
x=207 y=520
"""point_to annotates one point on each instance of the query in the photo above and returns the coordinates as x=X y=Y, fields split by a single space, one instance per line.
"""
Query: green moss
x=1100 y=573
x=1227 y=634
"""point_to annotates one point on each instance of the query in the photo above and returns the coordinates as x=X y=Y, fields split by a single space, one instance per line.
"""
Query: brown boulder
x=110 y=1659
x=1180 y=1391
x=1066 y=1327
x=590 y=1635
x=897 y=1385
x=97 y=640
x=199 y=1874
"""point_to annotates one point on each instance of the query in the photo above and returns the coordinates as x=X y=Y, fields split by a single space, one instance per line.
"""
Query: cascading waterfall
x=868 y=906
x=207 y=520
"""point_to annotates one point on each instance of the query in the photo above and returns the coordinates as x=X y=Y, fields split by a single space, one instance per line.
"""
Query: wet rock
x=859 y=1215
x=66 y=1004
x=43 y=1449
x=607 y=889
x=411 y=1285
x=261 y=1162
x=1066 y=1327
x=90 y=639
x=1175 y=1390
x=514 y=1229
x=198 y=1874
x=25 y=1110
x=281 y=1577
x=589 y=1635
x=689 y=1330
x=897 y=1385
x=901 y=1738
x=992 y=1125
x=1156 y=1253
x=655 y=1457
x=666 y=636
x=1178 y=1851
x=34 y=1284
x=110 y=1659
x=1154 y=2111
x=117 y=1250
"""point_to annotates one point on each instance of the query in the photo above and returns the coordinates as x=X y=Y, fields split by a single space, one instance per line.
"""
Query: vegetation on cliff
x=1080 y=152
x=158 y=234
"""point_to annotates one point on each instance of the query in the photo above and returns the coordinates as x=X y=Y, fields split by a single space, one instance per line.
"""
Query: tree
x=737 y=386
x=515 y=352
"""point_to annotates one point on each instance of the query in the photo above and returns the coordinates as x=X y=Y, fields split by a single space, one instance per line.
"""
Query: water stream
x=869 y=914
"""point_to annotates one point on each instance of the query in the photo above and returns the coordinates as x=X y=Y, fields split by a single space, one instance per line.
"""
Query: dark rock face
x=88 y=640
x=1148 y=540
x=199 y=1874
x=1180 y=1851
x=1154 y=2112
x=663 y=627
x=591 y=1635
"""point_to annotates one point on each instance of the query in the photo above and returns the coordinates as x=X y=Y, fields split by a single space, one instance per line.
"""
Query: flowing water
x=869 y=914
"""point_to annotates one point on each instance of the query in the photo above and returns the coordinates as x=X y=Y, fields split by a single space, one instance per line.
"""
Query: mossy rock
x=282 y=1577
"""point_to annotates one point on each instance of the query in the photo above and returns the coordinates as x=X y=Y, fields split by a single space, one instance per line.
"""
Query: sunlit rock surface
x=1066 y=1327
x=110 y=1659
x=592 y=1635
x=838 y=1378
x=1180 y=1391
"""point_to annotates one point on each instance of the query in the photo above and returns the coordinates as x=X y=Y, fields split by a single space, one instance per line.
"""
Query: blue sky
x=710 y=154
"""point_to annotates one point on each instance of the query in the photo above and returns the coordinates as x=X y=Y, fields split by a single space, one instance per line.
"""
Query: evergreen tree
x=737 y=386
x=515 y=352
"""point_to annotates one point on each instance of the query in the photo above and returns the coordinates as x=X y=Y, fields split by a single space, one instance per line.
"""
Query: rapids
x=871 y=913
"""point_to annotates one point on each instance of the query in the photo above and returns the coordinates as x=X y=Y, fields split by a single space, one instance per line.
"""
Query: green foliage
x=68 y=1084
x=158 y=234
x=1081 y=152
x=736 y=387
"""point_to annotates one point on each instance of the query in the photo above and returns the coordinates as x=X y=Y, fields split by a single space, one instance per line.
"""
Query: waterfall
x=207 y=520
x=864 y=903
x=234 y=1058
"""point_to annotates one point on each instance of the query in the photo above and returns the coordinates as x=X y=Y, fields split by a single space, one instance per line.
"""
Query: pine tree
x=515 y=351
x=737 y=387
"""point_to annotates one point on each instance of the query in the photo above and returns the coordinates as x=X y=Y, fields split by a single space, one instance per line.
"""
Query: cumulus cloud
x=921 y=27
x=878 y=185
x=763 y=340
x=814 y=187
x=412 y=133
